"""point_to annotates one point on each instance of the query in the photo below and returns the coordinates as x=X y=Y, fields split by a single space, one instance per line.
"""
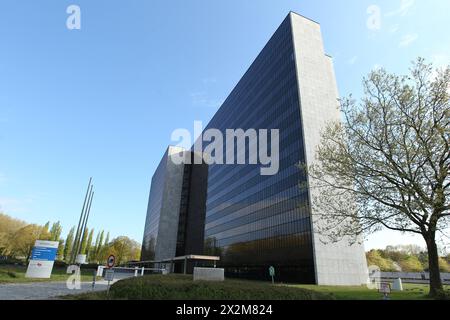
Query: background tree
x=124 y=249
x=8 y=226
x=69 y=244
x=22 y=241
x=375 y=258
x=84 y=242
x=93 y=253
x=55 y=231
x=60 y=253
x=386 y=164
x=104 y=252
x=89 y=242
x=99 y=246
x=46 y=228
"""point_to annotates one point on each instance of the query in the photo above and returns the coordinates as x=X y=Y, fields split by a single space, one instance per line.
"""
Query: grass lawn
x=157 y=287
x=16 y=274
x=410 y=292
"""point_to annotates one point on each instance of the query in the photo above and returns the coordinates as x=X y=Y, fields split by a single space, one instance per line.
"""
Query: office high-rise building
x=254 y=221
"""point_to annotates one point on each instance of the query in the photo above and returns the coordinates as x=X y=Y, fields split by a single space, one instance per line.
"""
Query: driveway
x=44 y=290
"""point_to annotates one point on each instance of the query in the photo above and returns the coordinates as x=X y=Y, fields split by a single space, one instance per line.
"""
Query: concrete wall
x=209 y=274
x=335 y=263
x=170 y=209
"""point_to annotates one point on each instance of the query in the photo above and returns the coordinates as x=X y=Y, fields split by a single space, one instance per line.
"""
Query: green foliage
x=95 y=255
x=89 y=242
x=69 y=244
x=8 y=226
x=124 y=249
x=415 y=260
x=84 y=241
x=442 y=295
x=17 y=239
x=7 y=273
x=181 y=287
x=55 y=231
x=103 y=252
x=22 y=241
x=375 y=258
x=444 y=265
x=61 y=246
x=411 y=264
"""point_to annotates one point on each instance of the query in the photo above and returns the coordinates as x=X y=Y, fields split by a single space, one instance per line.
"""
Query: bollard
x=142 y=271
x=135 y=271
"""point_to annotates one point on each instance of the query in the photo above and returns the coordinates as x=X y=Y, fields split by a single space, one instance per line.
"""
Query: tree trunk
x=433 y=266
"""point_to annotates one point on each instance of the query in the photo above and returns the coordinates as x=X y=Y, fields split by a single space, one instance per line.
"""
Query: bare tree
x=386 y=165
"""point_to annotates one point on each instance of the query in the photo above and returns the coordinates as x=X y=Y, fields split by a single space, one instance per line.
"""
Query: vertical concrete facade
x=168 y=222
x=335 y=263
x=176 y=208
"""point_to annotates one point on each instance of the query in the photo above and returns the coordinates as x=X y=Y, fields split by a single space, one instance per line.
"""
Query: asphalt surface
x=45 y=290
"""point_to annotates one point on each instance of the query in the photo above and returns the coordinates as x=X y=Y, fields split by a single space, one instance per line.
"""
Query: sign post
x=272 y=273
x=42 y=259
x=385 y=289
x=93 y=279
x=109 y=273
x=109 y=276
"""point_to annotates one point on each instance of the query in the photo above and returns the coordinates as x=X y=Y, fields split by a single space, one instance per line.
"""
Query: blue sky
x=103 y=101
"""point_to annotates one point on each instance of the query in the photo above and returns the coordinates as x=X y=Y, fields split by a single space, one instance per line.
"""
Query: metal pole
x=185 y=265
x=80 y=237
x=107 y=292
x=87 y=217
x=93 y=280
x=72 y=254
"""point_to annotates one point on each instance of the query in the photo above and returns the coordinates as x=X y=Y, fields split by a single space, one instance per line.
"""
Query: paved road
x=44 y=290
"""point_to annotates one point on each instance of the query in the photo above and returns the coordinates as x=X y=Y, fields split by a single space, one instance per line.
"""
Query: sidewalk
x=44 y=290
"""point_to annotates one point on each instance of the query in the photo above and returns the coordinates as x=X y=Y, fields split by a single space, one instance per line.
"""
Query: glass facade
x=255 y=221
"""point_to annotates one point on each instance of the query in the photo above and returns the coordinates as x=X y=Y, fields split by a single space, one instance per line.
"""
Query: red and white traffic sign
x=111 y=261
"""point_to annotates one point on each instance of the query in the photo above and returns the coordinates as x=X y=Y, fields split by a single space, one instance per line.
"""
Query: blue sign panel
x=44 y=254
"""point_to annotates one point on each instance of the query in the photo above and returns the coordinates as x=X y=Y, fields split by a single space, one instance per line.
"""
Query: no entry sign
x=111 y=261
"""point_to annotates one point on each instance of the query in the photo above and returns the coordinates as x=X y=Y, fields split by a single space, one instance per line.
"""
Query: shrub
x=11 y=274
x=442 y=295
x=181 y=287
x=411 y=264
x=8 y=273
x=374 y=257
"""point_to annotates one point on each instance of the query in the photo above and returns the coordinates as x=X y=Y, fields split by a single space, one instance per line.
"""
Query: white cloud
x=202 y=99
x=407 y=40
x=405 y=7
x=209 y=80
x=10 y=205
x=14 y=205
x=352 y=60
x=394 y=28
